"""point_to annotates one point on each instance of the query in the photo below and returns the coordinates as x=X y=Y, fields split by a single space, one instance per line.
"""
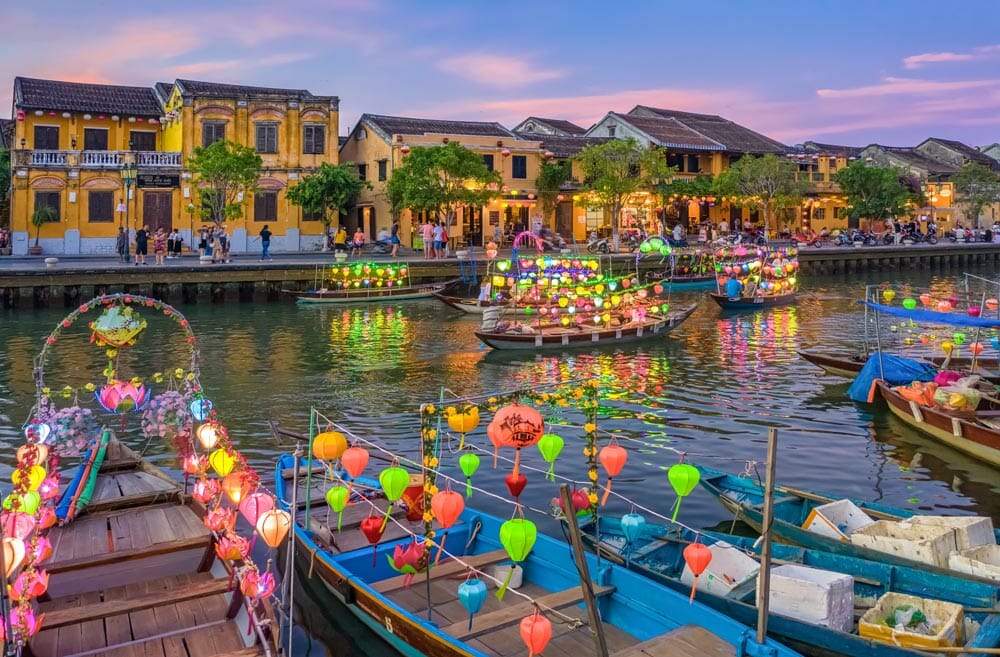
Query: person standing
x=178 y=243
x=141 y=245
x=203 y=242
x=224 y=244
x=340 y=239
x=265 y=243
x=427 y=234
x=437 y=233
x=121 y=244
x=394 y=239
x=160 y=245
x=358 y=241
x=171 y=238
x=215 y=245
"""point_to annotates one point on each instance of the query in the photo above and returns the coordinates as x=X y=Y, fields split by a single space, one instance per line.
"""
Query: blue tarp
x=894 y=370
x=935 y=317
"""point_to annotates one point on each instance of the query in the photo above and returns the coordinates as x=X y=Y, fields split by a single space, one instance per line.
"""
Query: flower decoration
x=122 y=396
x=167 y=416
x=72 y=428
x=118 y=326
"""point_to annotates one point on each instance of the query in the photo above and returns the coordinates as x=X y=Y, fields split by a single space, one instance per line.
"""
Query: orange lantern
x=518 y=426
x=194 y=464
x=13 y=554
x=235 y=486
x=220 y=519
x=992 y=304
x=273 y=526
x=491 y=433
x=536 y=631
x=447 y=506
x=613 y=458
x=355 y=459
x=329 y=445
x=697 y=557
x=33 y=453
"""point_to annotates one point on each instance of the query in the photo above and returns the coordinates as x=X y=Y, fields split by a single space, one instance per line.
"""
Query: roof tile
x=32 y=93
x=731 y=136
x=394 y=125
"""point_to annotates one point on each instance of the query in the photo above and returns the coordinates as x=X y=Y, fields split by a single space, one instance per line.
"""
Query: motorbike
x=806 y=240
x=595 y=245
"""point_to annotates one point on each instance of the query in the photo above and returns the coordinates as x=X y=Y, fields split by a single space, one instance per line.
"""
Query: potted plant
x=41 y=215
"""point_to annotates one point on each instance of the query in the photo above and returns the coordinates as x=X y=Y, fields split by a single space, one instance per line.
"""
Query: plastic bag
x=906 y=616
x=961 y=395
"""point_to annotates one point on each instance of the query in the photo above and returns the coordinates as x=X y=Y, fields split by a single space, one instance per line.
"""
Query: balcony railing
x=97 y=159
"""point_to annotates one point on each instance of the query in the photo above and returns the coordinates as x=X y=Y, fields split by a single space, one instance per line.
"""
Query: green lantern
x=518 y=537
x=394 y=481
x=909 y=304
x=27 y=502
x=959 y=338
x=469 y=462
x=336 y=497
x=550 y=446
x=683 y=478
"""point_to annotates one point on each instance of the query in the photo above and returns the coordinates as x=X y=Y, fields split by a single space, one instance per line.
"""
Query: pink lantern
x=19 y=525
x=122 y=396
x=42 y=550
x=254 y=505
x=205 y=490
x=257 y=586
x=220 y=518
x=232 y=548
x=23 y=617
x=30 y=584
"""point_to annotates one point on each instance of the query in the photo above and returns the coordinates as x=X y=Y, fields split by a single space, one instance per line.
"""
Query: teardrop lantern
x=355 y=460
x=469 y=463
x=273 y=526
x=516 y=484
x=550 y=445
x=472 y=595
x=632 y=526
x=697 y=557
x=337 y=498
x=536 y=631
x=683 y=477
x=447 y=506
x=517 y=536
x=613 y=457
x=372 y=528
x=518 y=426
x=394 y=481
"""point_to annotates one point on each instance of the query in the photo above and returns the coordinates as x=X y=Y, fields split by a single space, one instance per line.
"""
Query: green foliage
x=617 y=169
x=330 y=190
x=441 y=179
x=766 y=183
x=551 y=177
x=976 y=186
x=42 y=215
x=873 y=192
x=4 y=173
x=227 y=169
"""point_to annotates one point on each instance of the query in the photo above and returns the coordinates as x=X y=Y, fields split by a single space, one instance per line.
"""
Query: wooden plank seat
x=130 y=488
x=685 y=641
x=511 y=614
x=445 y=569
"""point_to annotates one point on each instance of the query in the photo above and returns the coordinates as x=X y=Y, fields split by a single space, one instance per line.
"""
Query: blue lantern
x=200 y=408
x=632 y=526
x=995 y=341
x=472 y=595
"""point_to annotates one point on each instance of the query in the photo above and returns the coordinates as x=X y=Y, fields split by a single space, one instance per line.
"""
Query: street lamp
x=128 y=172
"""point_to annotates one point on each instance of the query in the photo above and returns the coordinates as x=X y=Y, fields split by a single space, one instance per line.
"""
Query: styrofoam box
x=811 y=595
x=729 y=569
x=982 y=561
x=836 y=519
x=946 y=619
x=925 y=543
x=970 y=531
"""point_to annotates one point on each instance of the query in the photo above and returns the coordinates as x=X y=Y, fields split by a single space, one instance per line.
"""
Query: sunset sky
x=848 y=71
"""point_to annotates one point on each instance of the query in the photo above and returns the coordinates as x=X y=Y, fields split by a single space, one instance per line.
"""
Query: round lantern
x=33 y=477
x=697 y=557
x=222 y=462
x=550 y=445
x=469 y=463
x=518 y=426
x=472 y=595
x=33 y=453
x=254 y=505
x=354 y=459
x=26 y=502
x=463 y=422
x=273 y=526
x=505 y=152
x=926 y=299
x=208 y=435
x=517 y=537
x=235 y=486
x=613 y=458
x=329 y=445
x=536 y=631
x=683 y=477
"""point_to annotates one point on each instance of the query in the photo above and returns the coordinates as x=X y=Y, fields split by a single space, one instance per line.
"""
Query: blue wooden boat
x=657 y=553
x=641 y=618
x=752 y=303
x=745 y=498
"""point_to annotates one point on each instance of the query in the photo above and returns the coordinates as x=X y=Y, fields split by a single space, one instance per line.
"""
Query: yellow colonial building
x=108 y=156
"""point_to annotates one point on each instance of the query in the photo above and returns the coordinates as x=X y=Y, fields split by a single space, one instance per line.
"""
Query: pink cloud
x=497 y=71
x=983 y=52
x=899 y=86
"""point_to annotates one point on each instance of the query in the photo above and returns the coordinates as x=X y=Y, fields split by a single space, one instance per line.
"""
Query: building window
x=101 y=206
x=312 y=216
x=267 y=137
x=693 y=164
x=362 y=172
x=265 y=206
x=519 y=166
x=314 y=138
x=676 y=161
x=488 y=161
x=211 y=132
x=46 y=137
x=733 y=159
x=819 y=214
x=51 y=200
x=382 y=169
x=95 y=139
x=362 y=134
x=838 y=212
x=611 y=130
x=142 y=140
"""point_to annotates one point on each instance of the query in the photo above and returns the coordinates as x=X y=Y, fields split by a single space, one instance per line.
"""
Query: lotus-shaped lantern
x=122 y=396
x=23 y=618
x=255 y=585
x=232 y=548
x=30 y=584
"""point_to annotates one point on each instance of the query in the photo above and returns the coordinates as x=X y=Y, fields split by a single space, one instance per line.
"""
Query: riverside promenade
x=27 y=281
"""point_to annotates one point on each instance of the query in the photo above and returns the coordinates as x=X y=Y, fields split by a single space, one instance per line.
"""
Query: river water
x=710 y=389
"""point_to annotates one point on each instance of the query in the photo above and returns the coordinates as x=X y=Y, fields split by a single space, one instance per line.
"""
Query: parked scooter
x=595 y=245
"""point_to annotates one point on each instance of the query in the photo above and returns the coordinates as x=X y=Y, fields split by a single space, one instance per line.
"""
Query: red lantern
x=373 y=527
x=516 y=484
x=505 y=153
x=697 y=557
x=536 y=631
x=404 y=150
x=560 y=198
x=613 y=459
x=580 y=500
x=518 y=426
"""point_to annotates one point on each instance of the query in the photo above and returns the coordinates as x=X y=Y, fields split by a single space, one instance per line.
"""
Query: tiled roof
x=558 y=125
x=968 y=152
x=222 y=90
x=670 y=132
x=6 y=133
x=832 y=149
x=164 y=90
x=912 y=158
x=31 y=93
x=732 y=136
x=562 y=145
x=342 y=140
x=388 y=126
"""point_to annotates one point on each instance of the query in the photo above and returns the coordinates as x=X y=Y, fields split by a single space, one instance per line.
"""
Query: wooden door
x=157 y=210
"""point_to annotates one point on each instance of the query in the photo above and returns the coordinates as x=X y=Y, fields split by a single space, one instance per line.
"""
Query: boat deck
x=130 y=580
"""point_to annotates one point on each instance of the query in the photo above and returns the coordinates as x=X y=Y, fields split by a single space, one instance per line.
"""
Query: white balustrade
x=104 y=159
x=48 y=158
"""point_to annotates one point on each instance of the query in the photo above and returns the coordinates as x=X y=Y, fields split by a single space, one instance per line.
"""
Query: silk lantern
x=337 y=498
x=494 y=436
x=518 y=426
x=613 y=457
x=536 y=631
x=13 y=554
x=222 y=461
x=683 y=478
x=355 y=460
x=200 y=409
x=946 y=347
x=472 y=595
x=464 y=421
x=220 y=519
x=516 y=484
x=34 y=476
x=252 y=506
x=517 y=537
x=329 y=445
x=26 y=502
x=32 y=453
x=926 y=299
x=992 y=304
x=372 y=528
x=394 y=481
x=273 y=526
x=18 y=525
x=209 y=434
x=888 y=295
x=469 y=463
x=959 y=338
x=235 y=486
x=697 y=557
x=550 y=445
x=447 y=506
x=632 y=525
x=975 y=348
x=909 y=304
x=974 y=311
x=232 y=548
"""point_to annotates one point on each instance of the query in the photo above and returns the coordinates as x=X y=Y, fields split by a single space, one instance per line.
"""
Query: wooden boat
x=689 y=281
x=137 y=574
x=841 y=363
x=470 y=305
x=368 y=295
x=657 y=553
x=752 y=303
x=745 y=498
x=962 y=430
x=559 y=337
x=640 y=617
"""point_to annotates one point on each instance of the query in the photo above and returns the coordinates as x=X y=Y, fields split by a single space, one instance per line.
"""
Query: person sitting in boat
x=734 y=288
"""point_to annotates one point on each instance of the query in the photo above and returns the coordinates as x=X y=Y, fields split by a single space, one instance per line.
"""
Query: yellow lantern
x=329 y=445
x=235 y=487
x=273 y=526
x=35 y=474
x=222 y=462
x=208 y=435
x=464 y=421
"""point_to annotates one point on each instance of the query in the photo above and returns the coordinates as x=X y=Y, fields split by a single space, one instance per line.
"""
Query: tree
x=330 y=190
x=551 y=177
x=669 y=190
x=226 y=170
x=766 y=183
x=615 y=170
x=873 y=192
x=42 y=215
x=4 y=174
x=976 y=186
x=442 y=179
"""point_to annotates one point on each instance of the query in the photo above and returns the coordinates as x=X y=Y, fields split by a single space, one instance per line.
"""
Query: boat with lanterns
x=685 y=268
x=752 y=276
x=125 y=560
x=360 y=282
x=403 y=552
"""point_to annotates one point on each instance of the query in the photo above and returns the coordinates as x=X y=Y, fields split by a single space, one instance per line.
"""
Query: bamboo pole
x=764 y=579
x=596 y=628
